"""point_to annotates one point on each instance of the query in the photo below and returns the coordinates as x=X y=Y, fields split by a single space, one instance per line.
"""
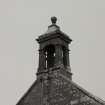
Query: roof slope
x=59 y=90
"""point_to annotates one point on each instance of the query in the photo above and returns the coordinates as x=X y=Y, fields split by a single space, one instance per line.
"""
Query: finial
x=53 y=20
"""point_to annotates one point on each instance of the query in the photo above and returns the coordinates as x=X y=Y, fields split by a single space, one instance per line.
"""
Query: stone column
x=58 y=55
x=42 y=61
x=67 y=57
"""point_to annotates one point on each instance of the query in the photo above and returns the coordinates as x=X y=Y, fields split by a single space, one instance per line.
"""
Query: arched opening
x=49 y=56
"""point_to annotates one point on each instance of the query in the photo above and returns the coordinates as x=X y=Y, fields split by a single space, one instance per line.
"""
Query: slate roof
x=35 y=93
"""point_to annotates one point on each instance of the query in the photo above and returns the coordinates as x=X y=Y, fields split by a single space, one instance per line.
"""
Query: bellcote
x=53 y=48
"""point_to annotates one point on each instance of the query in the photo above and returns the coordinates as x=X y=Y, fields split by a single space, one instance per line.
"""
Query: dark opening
x=49 y=56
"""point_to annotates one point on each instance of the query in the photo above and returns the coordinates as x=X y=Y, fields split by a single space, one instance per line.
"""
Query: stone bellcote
x=54 y=85
x=53 y=49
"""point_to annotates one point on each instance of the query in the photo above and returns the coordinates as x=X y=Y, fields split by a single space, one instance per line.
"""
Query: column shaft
x=67 y=57
x=58 y=55
x=42 y=60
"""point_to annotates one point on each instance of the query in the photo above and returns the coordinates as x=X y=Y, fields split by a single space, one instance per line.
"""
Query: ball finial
x=53 y=20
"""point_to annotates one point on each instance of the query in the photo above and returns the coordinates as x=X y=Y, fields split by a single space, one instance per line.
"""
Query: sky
x=22 y=21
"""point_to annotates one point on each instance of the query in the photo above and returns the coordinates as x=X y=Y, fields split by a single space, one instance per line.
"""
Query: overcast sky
x=22 y=21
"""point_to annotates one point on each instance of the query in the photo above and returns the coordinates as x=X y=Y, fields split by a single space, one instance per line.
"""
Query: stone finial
x=53 y=20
